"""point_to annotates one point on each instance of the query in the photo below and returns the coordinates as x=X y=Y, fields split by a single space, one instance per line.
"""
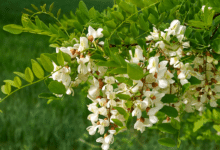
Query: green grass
x=29 y=123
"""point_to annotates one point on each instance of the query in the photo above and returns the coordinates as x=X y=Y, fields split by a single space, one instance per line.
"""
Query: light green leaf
x=167 y=142
x=6 y=89
x=60 y=58
x=10 y=82
x=51 y=7
x=185 y=87
x=117 y=122
x=111 y=24
x=48 y=96
x=216 y=127
x=216 y=114
x=119 y=71
x=29 y=75
x=57 y=87
x=13 y=28
x=20 y=75
x=118 y=15
x=198 y=124
x=17 y=82
x=134 y=71
x=216 y=46
x=58 y=13
x=122 y=111
x=37 y=69
x=170 y=111
x=46 y=63
x=123 y=96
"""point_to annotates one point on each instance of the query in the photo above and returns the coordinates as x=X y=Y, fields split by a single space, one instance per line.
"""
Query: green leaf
x=123 y=96
x=6 y=89
x=169 y=98
x=216 y=114
x=29 y=75
x=51 y=7
x=193 y=80
x=198 y=124
x=166 y=127
x=17 y=82
x=98 y=57
x=77 y=25
x=124 y=80
x=167 y=142
x=84 y=9
x=175 y=123
x=143 y=25
x=111 y=24
x=35 y=7
x=67 y=57
x=119 y=71
x=185 y=87
x=10 y=82
x=122 y=111
x=153 y=19
x=13 y=28
x=126 y=7
x=48 y=96
x=46 y=63
x=20 y=75
x=60 y=58
x=37 y=69
x=118 y=15
x=217 y=127
x=134 y=30
x=57 y=87
x=117 y=122
x=216 y=46
x=107 y=64
x=170 y=111
x=58 y=13
x=134 y=71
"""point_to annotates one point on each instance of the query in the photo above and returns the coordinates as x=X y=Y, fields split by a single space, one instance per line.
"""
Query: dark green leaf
x=170 y=111
x=193 y=80
x=169 y=98
x=167 y=142
x=166 y=127
x=98 y=57
x=175 y=123
x=107 y=64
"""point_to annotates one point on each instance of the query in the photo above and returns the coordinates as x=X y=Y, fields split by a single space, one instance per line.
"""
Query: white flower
x=94 y=33
x=138 y=55
x=153 y=65
x=174 y=27
x=203 y=8
x=83 y=44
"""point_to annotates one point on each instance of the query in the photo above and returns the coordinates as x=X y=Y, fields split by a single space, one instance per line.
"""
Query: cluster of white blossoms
x=166 y=74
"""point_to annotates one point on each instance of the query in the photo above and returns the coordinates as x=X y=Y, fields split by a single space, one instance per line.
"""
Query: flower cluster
x=193 y=83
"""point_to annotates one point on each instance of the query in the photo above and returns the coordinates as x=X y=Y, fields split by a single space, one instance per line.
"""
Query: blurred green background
x=27 y=122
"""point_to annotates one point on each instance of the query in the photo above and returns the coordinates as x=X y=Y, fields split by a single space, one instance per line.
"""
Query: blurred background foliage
x=29 y=123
